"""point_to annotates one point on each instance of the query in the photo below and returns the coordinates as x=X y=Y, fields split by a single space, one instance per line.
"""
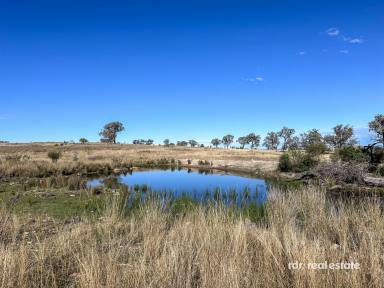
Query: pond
x=199 y=185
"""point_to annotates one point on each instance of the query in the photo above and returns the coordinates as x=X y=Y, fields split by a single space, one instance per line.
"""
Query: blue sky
x=187 y=69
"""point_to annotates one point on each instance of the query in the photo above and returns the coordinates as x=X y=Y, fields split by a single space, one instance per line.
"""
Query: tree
x=166 y=142
x=149 y=142
x=342 y=136
x=253 y=140
x=311 y=137
x=216 y=142
x=110 y=130
x=271 y=141
x=293 y=143
x=243 y=141
x=227 y=140
x=138 y=142
x=83 y=140
x=316 y=149
x=182 y=143
x=286 y=133
x=377 y=126
x=193 y=143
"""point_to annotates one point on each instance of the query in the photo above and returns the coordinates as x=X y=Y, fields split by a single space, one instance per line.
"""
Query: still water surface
x=195 y=184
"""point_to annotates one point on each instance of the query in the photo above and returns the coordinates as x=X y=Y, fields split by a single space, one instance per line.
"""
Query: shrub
x=296 y=161
x=380 y=170
x=285 y=164
x=378 y=155
x=54 y=155
x=316 y=149
x=350 y=154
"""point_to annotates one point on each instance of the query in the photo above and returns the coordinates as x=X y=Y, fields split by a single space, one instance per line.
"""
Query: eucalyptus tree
x=253 y=140
x=271 y=141
x=286 y=133
x=293 y=143
x=243 y=140
x=311 y=137
x=227 y=140
x=166 y=142
x=83 y=140
x=182 y=143
x=216 y=142
x=377 y=126
x=193 y=143
x=342 y=136
x=110 y=130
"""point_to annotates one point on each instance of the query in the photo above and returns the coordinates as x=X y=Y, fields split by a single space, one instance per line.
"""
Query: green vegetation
x=341 y=136
x=216 y=142
x=110 y=130
x=227 y=140
x=287 y=135
x=54 y=155
x=297 y=161
x=83 y=140
x=380 y=170
x=377 y=126
x=350 y=154
x=251 y=139
x=271 y=141
x=189 y=243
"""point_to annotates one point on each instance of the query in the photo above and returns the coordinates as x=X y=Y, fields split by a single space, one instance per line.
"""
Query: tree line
x=285 y=139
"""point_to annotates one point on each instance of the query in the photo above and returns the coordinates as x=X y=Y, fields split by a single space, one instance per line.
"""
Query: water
x=200 y=186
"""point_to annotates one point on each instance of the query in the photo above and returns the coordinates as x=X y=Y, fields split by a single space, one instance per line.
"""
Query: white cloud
x=301 y=53
x=353 y=40
x=254 y=79
x=344 y=51
x=333 y=31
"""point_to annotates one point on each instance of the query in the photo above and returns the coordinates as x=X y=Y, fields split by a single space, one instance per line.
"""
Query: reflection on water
x=200 y=185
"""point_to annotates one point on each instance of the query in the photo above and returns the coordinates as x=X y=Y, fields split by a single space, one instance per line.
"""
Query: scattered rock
x=374 y=181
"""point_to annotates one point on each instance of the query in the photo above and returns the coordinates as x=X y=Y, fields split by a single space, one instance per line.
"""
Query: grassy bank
x=200 y=247
x=31 y=160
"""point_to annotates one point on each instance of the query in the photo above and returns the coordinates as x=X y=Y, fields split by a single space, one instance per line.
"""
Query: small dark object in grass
x=98 y=190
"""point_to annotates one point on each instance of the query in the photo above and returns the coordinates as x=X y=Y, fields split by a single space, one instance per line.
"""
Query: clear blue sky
x=187 y=69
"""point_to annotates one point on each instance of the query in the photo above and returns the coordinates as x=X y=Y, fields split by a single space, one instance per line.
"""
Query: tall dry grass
x=31 y=160
x=204 y=248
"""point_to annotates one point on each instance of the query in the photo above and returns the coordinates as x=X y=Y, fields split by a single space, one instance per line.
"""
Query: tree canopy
x=342 y=136
x=377 y=126
x=110 y=130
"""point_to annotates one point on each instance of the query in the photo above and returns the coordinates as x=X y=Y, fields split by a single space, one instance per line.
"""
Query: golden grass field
x=34 y=156
x=47 y=241
x=202 y=248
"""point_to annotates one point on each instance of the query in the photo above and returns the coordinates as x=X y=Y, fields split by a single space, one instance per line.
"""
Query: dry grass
x=202 y=249
x=32 y=160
